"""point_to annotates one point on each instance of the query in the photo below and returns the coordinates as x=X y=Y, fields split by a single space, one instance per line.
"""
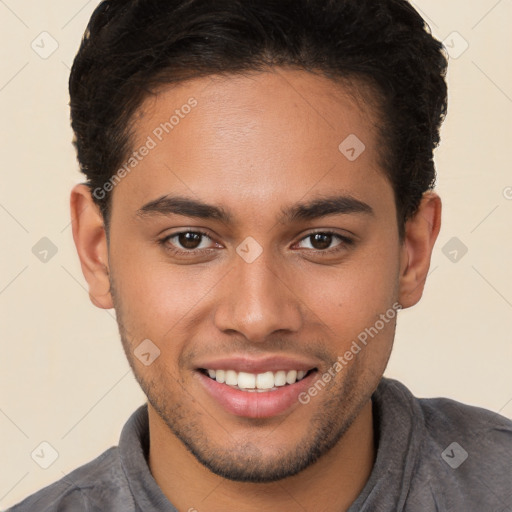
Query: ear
x=420 y=235
x=91 y=244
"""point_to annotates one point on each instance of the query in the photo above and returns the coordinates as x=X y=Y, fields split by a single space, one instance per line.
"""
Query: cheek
x=158 y=299
x=351 y=297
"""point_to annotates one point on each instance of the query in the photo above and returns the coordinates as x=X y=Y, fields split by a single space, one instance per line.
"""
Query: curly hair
x=132 y=47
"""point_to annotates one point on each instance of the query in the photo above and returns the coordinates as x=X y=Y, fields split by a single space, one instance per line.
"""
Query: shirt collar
x=133 y=451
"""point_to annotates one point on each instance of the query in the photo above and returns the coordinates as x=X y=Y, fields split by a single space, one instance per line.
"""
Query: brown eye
x=189 y=240
x=325 y=242
x=321 y=241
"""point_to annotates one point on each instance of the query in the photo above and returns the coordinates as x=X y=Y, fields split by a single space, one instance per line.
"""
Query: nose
x=257 y=301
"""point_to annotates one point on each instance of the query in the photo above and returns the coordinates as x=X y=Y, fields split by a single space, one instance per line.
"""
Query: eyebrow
x=177 y=205
x=317 y=208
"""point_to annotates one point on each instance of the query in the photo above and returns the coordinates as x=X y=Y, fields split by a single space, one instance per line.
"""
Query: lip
x=259 y=365
x=253 y=404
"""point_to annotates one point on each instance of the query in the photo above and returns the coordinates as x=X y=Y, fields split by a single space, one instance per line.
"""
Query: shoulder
x=464 y=456
x=441 y=418
x=480 y=428
x=89 y=487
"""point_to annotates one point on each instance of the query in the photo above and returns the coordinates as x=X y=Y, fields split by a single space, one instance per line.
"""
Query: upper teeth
x=267 y=380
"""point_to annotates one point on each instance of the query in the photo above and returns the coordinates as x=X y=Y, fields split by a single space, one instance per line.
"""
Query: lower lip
x=255 y=404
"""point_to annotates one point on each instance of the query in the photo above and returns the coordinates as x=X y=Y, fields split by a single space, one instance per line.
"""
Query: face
x=253 y=252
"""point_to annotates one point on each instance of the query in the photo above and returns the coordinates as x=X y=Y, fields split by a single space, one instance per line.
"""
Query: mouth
x=264 y=394
x=256 y=382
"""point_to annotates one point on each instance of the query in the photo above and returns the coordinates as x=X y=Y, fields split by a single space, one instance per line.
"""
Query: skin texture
x=253 y=146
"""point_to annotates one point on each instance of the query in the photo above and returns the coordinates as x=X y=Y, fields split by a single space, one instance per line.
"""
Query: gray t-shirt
x=433 y=455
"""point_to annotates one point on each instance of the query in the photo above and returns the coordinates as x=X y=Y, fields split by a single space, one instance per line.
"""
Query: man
x=258 y=209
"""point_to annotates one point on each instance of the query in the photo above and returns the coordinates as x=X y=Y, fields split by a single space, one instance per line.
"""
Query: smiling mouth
x=257 y=382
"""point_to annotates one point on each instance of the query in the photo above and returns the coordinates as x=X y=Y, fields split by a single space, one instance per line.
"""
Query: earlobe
x=421 y=232
x=91 y=244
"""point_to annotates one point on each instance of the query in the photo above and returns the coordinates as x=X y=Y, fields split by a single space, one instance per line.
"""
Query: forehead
x=262 y=136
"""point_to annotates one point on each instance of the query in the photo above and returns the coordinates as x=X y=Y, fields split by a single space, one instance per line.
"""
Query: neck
x=331 y=484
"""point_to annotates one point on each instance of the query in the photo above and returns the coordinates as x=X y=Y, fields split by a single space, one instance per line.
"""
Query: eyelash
x=345 y=241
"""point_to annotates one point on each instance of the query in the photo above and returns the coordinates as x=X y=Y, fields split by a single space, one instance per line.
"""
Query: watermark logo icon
x=44 y=455
x=249 y=250
x=44 y=250
x=455 y=45
x=454 y=250
x=146 y=352
x=45 y=45
x=454 y=455
x=352 y=147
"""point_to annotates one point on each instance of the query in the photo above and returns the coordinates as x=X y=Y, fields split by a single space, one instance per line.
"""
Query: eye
x=188 y=241
x=323 y=241
x=193 y=242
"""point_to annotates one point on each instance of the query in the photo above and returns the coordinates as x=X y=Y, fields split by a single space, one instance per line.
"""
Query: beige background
x=64 y=378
